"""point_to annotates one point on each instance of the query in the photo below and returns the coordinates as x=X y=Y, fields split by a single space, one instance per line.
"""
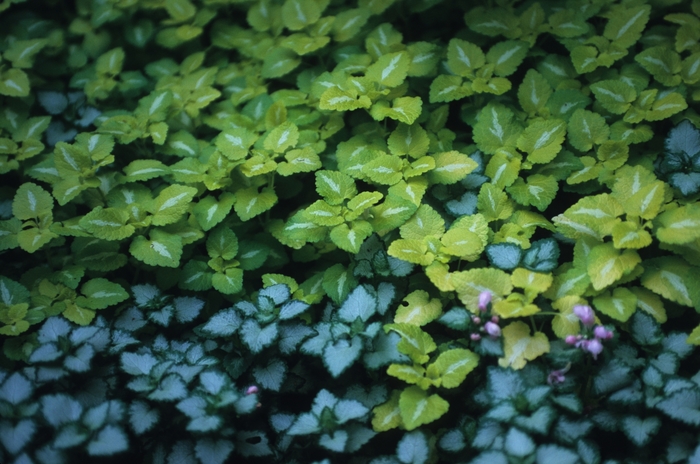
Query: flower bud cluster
x=488 y=323
x=591 y=340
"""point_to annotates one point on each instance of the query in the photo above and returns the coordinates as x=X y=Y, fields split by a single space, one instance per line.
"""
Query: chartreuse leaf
x=335 y=186
x=495 y=129
x=614 y=95
x=250 y=202
x=463 y=58
x=384 y=169
x=586 y=129
x=424 y=223
x=446 y=88
x=619 y=305
x=534 y=282
x=625 y=26
x=100 y=294
x=606 y=264
x=349 y=236
x=297 y=14
x=409 y=140
x=680 y=225
x=452 y=366
x=542 y=140
x=415 y=342
x=418 y=309
x=161 y=249
x=538 y=191
x=506 y=56
x=672 y=278
x=338 y=99
x=228 y=282
x=534 y=92
x=470 y=284
x=390 y=69
x=503 y=167
x=650 y=303
x=519 y=346
x=493 y=203
x=14 y=83
x=209 y=211
x=402 y=109
x=171 y=203
x=31 y=201
x=418 y=408
x=235 y=143
x=629 y=234
x=108 y=223
x=282 y=137
x=566 y=322
x=638 y=191
x=451 y=167
x=592 y=216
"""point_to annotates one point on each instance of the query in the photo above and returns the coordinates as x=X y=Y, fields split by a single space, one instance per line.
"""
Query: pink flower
x=571 y=339
x=484 y=300
x=476 y=319
x=602 y=333
x=475 y=337
x=251 y=390
x=558 y=376
x=585 y=314
x=593 y=346
x=492 y=329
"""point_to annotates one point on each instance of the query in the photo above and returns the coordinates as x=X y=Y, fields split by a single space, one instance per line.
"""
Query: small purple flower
x=585 y=314
x=484 y=300
x=492 y=329
x=251 y=390
x=602 y=333
x=593 y=346
x=571 y=339
x=475 y=337
x=557 y=376
x=476 y=319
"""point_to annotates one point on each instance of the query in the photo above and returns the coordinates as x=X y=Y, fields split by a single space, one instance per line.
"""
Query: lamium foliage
x=380 y=231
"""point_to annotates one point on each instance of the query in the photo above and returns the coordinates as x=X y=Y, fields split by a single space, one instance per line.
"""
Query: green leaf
x=110 y=63
x=415 y=343
x=14 y=83
x=586 y=129
x=338 y=281
x=229 y=282
x=453 y=366
x=417 y=408
x=282 y=137
x=171 y=203
x=492 y=21
x=619 y=305
x=161 y=249
x=614 y=95
x=235 y=143
x=470 y=284
x=155 y=106
x=32 y=239
x=31 y=201
x=402 y=109
x=209 y=211
x=335 y=186
x=387 y=416
x=593 y=216
x=22 y=52
x=539 y=191
x=100 y=294
x=503 y=168
x=250 y=202
x=519 y=346
x=384 y=169
x=606 y=264
x=349 y=22
x=411 y=140
x=534 y=92
x=680 y=225
x=625 y=26
x=463 y=58
x=424 y=223
x=298 y=14
x=279 y=61
x=349 y=237
x=630 y=235
x=222 y=242
x=195 y=275
x=139 y=170
x=507 y=56
x=390 y=69
x=666 y=106
x=493 y=203
x=446 y=88
x=672 y=278
x=77 y=314
x=662 y=63
x=108 y=223
x=451 y=167
x=418 y=309
x=542 y=140
x=424 y=58
x=495 y=128
x=338 y=99
x=182 y=144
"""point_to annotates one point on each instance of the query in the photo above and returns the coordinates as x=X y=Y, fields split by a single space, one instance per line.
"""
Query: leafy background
x=338 y=231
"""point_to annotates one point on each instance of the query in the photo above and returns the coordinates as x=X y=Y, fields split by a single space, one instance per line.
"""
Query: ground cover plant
x=362 y=231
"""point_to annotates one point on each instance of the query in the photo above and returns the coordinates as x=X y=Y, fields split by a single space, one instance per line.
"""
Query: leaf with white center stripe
x=539 y=191
x=297 y=14
x=666 y=106
x=143 y=169
x=14 y=83
x=464 y=58
x=447 y=88
x=620 y=305
x=250 y=202
x=417 y=408
x=519 y=346
x=402 y=109
x=155 y=106
x=171 y=203
x=425 y=57
x=31 y=201
x=451 y=167
x=493 y=203
x=162 y=249
x=638 y=191
x=507 y=56
x=418 y=309
x=22 y=52
x=343 y=100
x=209 y=211
x=228 y=282
x=280 y=61
x=253 y=255
x=534 y=92
x=680 y=225
x=282 y=137
x=415 y=342
x=390 y=69
x=629 y=234
x=672 y=278
x=606 y=264
x=384 y=169
x=409 y=140
x=593 y=216
x=586 y=129
x=496 y=128
x=691 y=69
x=101 y=293
x=222 y=242
x=349 y=237
x=348 y=23
x=493 y=21
x=387 y=416
x=182 y=144
x=235 y=143
x=626 y=25
x=453 y=366
x=614 y=95
x=542 y=140
x=335 y=186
